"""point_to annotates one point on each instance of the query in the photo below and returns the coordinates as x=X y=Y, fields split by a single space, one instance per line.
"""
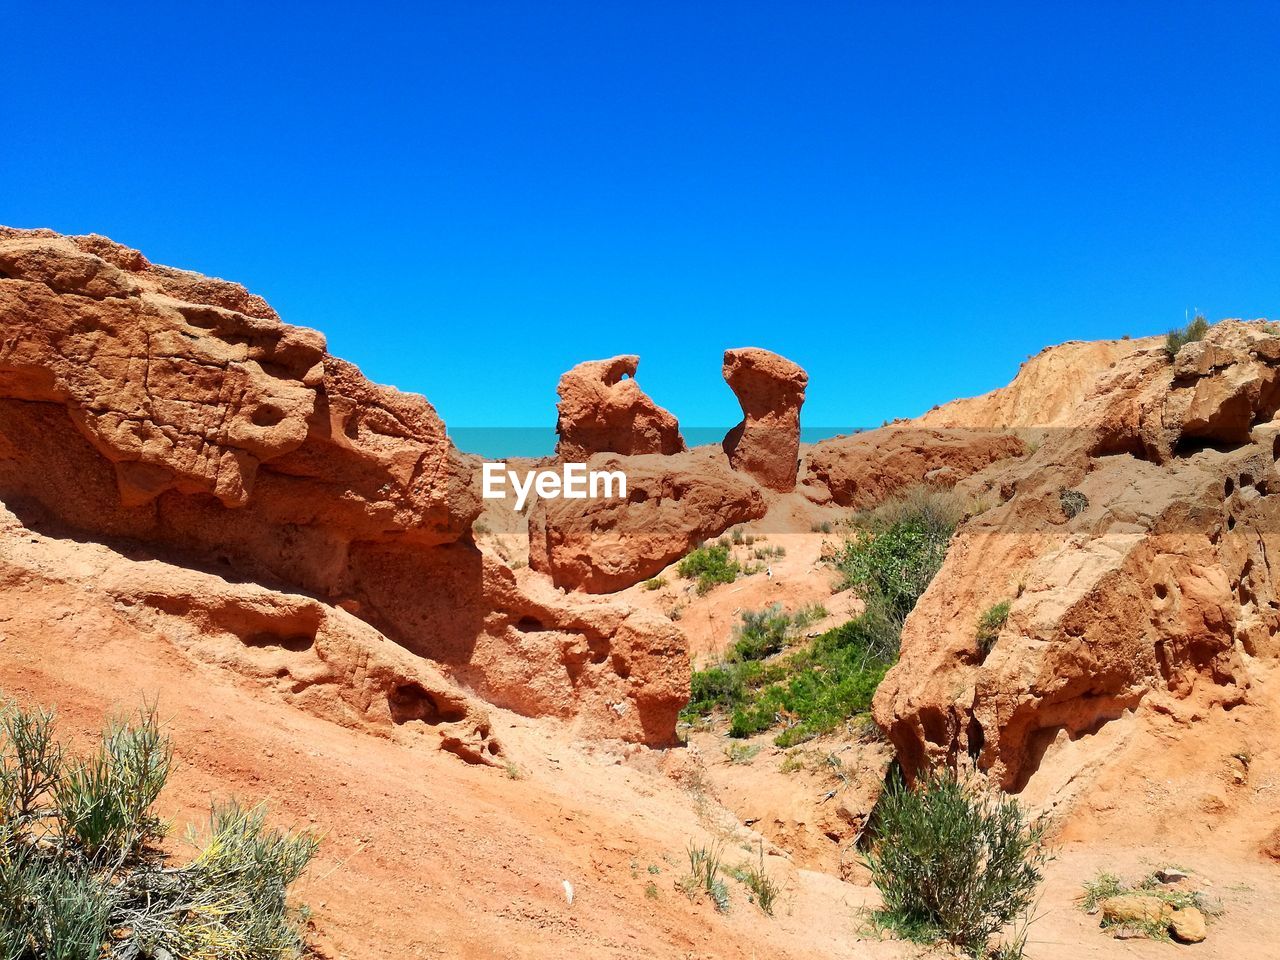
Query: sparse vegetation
x=1073 y=503
x=741 y=752
x=1193 y=331
x=1106 y=885
x=954 y=862
x=890 y=559
x=989 y=625
x=703 y=878
x=823 y=527
x=80 y=872
x=655 y=583
x=709 y=566
x=769 y=553
x=762 y=890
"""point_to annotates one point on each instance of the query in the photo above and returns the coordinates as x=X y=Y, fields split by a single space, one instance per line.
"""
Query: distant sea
x=498 y=443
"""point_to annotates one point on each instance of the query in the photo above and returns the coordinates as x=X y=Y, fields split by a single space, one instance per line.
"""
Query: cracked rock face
x=770 y=389
x=603 y=410
x=1160 y=595
x=146 y=405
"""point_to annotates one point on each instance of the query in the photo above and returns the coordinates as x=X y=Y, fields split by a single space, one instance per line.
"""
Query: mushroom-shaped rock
x=770 y=388
x=603 y=410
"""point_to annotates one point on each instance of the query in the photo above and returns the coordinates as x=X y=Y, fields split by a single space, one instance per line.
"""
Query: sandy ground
x=426 y=856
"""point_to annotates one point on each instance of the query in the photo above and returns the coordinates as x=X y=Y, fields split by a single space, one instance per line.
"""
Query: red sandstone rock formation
x=603 y=410
x=141 y=405
x=672 y=505
x=863 y=470
x=1160 y=596
x=770 y=388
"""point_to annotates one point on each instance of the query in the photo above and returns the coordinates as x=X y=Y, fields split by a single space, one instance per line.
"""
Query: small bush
x=80 y=876
x=30 y=762
x=760 y=634
x=897 y=550
x=709 y=566
x=989 y=625
x=1193 y=331
x=769 y=553
x=656 y=583
x=823 y=527
x=104 y=800
x=1073 y=503
x=954 y=862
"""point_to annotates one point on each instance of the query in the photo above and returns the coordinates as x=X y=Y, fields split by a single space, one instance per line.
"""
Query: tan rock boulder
x=603 y=410
x=770 y=389
x=1136 y=908
x=1187 y=925
x=672 y=505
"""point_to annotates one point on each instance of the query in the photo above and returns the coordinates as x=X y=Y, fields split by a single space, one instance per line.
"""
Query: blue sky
x=468 y=198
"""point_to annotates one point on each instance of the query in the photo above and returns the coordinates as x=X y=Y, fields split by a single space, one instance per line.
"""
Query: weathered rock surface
x=672 y=505
x=603 y=410
x=1160 y=596
x=865 y=469
x=770 y=389
x=1187 y=925
x=1136 y=908
x=148 y=406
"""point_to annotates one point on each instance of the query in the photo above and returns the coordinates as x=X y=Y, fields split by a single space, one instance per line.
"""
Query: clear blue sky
x=469 y=197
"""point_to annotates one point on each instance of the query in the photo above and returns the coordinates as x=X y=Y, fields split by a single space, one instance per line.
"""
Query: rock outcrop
x=156 y=410
x=865 y=469
x=1155 y=592
x=770 y=389
x=672 y=505
x=603 y=410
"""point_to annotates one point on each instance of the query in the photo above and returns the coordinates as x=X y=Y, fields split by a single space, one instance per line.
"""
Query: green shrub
x=709 y=566
x=954 y=862
x=50 y=908
x=79 y=874
x=104 y=800
x=1193 y=331
x=30 y=761
x=989 y=625
x=760 y=634
x=1073 y=502
x=823 y=687
x=898 y=549
x=656 y=583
